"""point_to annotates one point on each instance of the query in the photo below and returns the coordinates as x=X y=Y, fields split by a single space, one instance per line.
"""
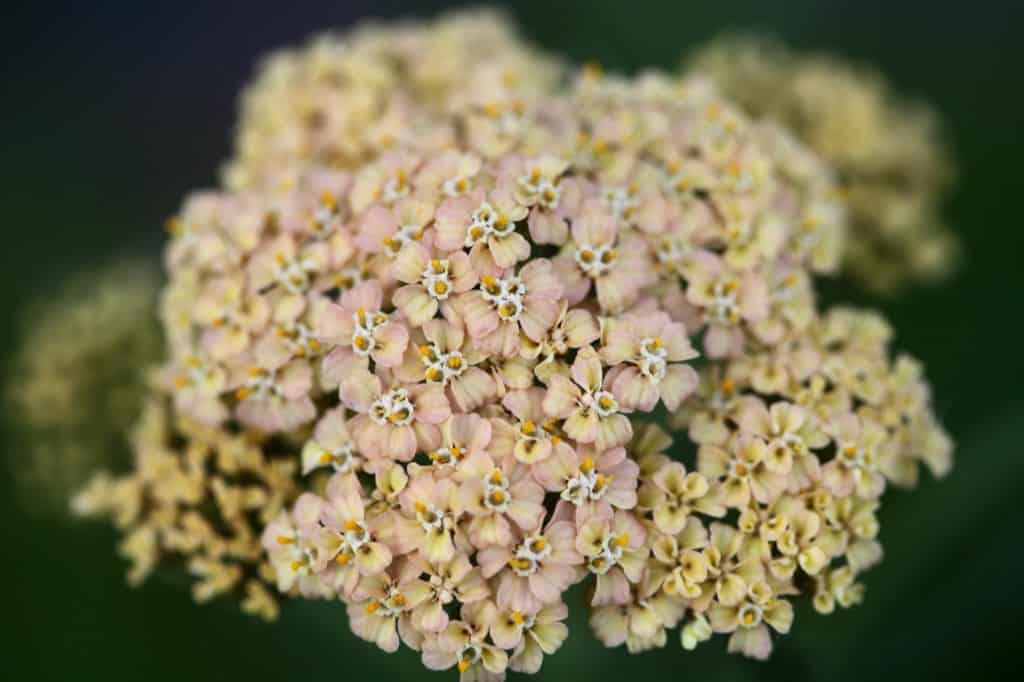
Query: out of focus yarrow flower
x=421 y=342
x=893 y=165
x=78 y=378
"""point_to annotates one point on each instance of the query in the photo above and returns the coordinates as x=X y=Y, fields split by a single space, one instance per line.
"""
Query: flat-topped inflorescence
x=465 y=327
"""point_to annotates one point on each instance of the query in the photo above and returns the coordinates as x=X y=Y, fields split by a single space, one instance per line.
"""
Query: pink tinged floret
x=273 y=400
x=390 y=340
x=378 y=224
x=452 y=219
x=430 y=403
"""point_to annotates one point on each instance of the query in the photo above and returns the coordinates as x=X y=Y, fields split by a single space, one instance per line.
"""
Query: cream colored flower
x=458 y=280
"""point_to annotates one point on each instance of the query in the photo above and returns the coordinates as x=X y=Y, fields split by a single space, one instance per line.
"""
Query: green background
x=113 y=111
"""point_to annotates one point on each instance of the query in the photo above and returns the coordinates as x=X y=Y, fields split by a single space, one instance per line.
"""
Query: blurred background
x=115 y=110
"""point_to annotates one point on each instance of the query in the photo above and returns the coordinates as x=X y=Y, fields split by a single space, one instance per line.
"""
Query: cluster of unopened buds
x=463 y=330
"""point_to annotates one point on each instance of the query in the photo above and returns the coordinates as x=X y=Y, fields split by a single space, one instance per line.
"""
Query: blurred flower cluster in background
x=77 y=379
x=889 y=153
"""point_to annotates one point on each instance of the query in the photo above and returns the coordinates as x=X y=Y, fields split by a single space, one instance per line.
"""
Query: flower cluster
x=344 y=98
x=801 y=440
x=460 y=323
x=77 y=379
x=893 y=164
x=197 y=497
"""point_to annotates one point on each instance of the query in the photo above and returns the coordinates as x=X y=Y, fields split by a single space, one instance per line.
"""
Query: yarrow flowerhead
x=464 y=317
